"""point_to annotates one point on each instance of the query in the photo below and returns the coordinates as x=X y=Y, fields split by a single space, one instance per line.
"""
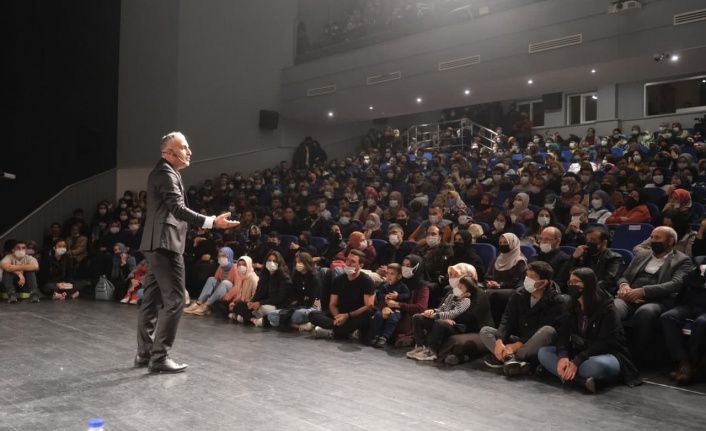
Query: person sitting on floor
x=216 y=286
x=351 y=304
x=303 y=297
x=243 y=289
x=523 y=328
x=432 y=327
x=272 y=291
x=56 y=273
x=19 y=271
x=590 y=348
x=386 y=319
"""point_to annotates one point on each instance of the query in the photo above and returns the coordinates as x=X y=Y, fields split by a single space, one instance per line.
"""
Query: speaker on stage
x=269 y=119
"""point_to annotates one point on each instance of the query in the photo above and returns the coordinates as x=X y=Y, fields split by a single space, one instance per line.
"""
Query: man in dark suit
x=163 y=243
x=648 y=287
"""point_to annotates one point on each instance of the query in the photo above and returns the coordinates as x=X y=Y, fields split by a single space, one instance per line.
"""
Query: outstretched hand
x=222 y=222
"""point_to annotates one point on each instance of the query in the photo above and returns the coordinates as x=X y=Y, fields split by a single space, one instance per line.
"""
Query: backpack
x=105 y=291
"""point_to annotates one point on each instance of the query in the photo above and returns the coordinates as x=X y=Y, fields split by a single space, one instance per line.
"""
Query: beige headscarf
x=506 y=261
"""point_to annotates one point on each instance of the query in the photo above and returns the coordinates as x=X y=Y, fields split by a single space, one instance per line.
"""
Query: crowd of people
x=500 y=251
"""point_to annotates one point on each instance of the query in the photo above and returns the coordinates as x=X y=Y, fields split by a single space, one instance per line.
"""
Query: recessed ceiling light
x=330 y=114
x=594 y=97
x=419 y=100
x=674 y=57
x=371 y=108
x=467 y=92
x=530 y=82
x=704 y=81
x=593 y=70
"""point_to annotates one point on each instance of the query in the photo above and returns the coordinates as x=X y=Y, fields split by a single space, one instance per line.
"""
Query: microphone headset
x=178 y=158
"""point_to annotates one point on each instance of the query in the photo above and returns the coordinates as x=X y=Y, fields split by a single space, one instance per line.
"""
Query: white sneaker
x=320 y=332
x=124 y=300
x=426 y=355
x=133 y=301
x=355 y=336
x=308 y=326
x=414 y=351
x=258 y=322
x=239 y=319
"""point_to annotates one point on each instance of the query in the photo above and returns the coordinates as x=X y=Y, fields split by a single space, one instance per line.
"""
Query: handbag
x=105 y=290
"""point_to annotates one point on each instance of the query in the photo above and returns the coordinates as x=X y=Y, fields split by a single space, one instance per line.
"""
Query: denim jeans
x=385 y=327
x=681 y=349
x=301 y=315
x=600 y=367
x=213 y=290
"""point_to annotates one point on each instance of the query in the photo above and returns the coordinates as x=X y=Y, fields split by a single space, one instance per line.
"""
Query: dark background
x=59 y=92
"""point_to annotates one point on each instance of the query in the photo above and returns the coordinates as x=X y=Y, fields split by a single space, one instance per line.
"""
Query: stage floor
x=65 y=362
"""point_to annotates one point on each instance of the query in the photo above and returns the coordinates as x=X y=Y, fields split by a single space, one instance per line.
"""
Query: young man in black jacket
x=521 y=334
x=596 y=255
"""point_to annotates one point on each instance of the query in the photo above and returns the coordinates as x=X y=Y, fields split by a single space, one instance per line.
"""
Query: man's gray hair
x=166 y=139
x=582 y=208
x=671 y=233
x=556 y=231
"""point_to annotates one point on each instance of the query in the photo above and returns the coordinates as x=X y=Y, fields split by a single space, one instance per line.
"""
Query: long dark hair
x=279 y=260
x=591 y=297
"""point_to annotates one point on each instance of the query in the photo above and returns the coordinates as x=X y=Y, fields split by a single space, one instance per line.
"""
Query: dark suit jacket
x=671 y=274
x=168 y=217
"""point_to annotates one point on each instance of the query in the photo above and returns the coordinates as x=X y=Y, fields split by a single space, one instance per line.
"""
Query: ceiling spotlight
x=530 y=82
x=371 y=108
x=704 y=81
x=593 y=70
x=419 y=100
x=467 y=92
x=674 y=57
x=330 y=114
x=594 y=97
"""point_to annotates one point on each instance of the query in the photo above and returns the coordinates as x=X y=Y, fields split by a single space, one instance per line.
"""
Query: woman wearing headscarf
x=369 y=205
x=486 y=211
x=473 y=194
x=395 y=203
x=272 y=292
x=609 y=184
x=463 y=253
x=453 y=206
x=680 y=200
x=413 y=276
x=598 y=211
x=683 y=161
x=373 y=227
x=571 y=195
x=244 y=285
x=506 y=273
x=519 y=212
x=123 y=265
x=216 y=286
x=634 y=210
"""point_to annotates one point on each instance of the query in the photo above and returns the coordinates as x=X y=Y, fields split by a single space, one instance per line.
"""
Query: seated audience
x=574 y=235
x=56 y=273
x=435 y=220
x=634 y=211
x=413 y=275
x=272 y=292
x=216 y=286
x=385 y=319
x=596 y=255
x=19 y=272
x=505 y=274
x=303 y=297
x=599 y=211
x=519 y=211
x=549 y=252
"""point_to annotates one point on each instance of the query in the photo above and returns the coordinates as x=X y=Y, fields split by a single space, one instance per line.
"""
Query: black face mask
x=592 y=247
x=313 y=216
x=575 y=291
x=482 y=207
x=272 y=245
x=504 y=248
x=336 y=237
x=608 y=188
x=631 y=203
x=254 y=238
x=303 y=243
x=658 y=247
x=402 y=222
x=459 y=249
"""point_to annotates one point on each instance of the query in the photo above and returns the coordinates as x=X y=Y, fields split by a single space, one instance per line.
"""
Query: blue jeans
x=681 y=349
x=300 y=315
x=213 y=290
x=599 y=367
x=385 y=327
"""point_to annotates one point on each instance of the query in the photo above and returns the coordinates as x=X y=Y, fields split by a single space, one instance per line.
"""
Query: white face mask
x=498 y=225
x=304 y=193
x=457 y=291
x=676 y=205
x=535 y=189
x=549 y=206
x=585 y=178
x=114 y=230
x=682 y=165
x=394 y=203
x=464 y=220
x=322 y=206
x=524 y=180
x=363 y=244
x=565 y=189
x=134 y=227
x=575 y=219
x=20 y=254
x=529 y=285
x=407 y=272
x=242 y=269
x=371 y=202
x=394 y=240
x=349 y=270
x=453 y=282
x=546 y=248
x=369 y=224
x=497 y=178
x=223 y=261
x=271 y=266
x=345 y=220
x=637 y=159
x=596 y=203
x=433 y=219
x=433 y=240
x=543 y=220
x=299 y=267
x=61 y=251
x=658 y=179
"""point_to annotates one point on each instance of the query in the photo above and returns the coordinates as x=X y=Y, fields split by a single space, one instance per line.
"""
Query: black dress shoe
x=141 y=361
x=167 y=366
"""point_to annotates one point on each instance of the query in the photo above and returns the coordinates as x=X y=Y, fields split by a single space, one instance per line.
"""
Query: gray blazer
x=671 y=274
x=168 y=217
